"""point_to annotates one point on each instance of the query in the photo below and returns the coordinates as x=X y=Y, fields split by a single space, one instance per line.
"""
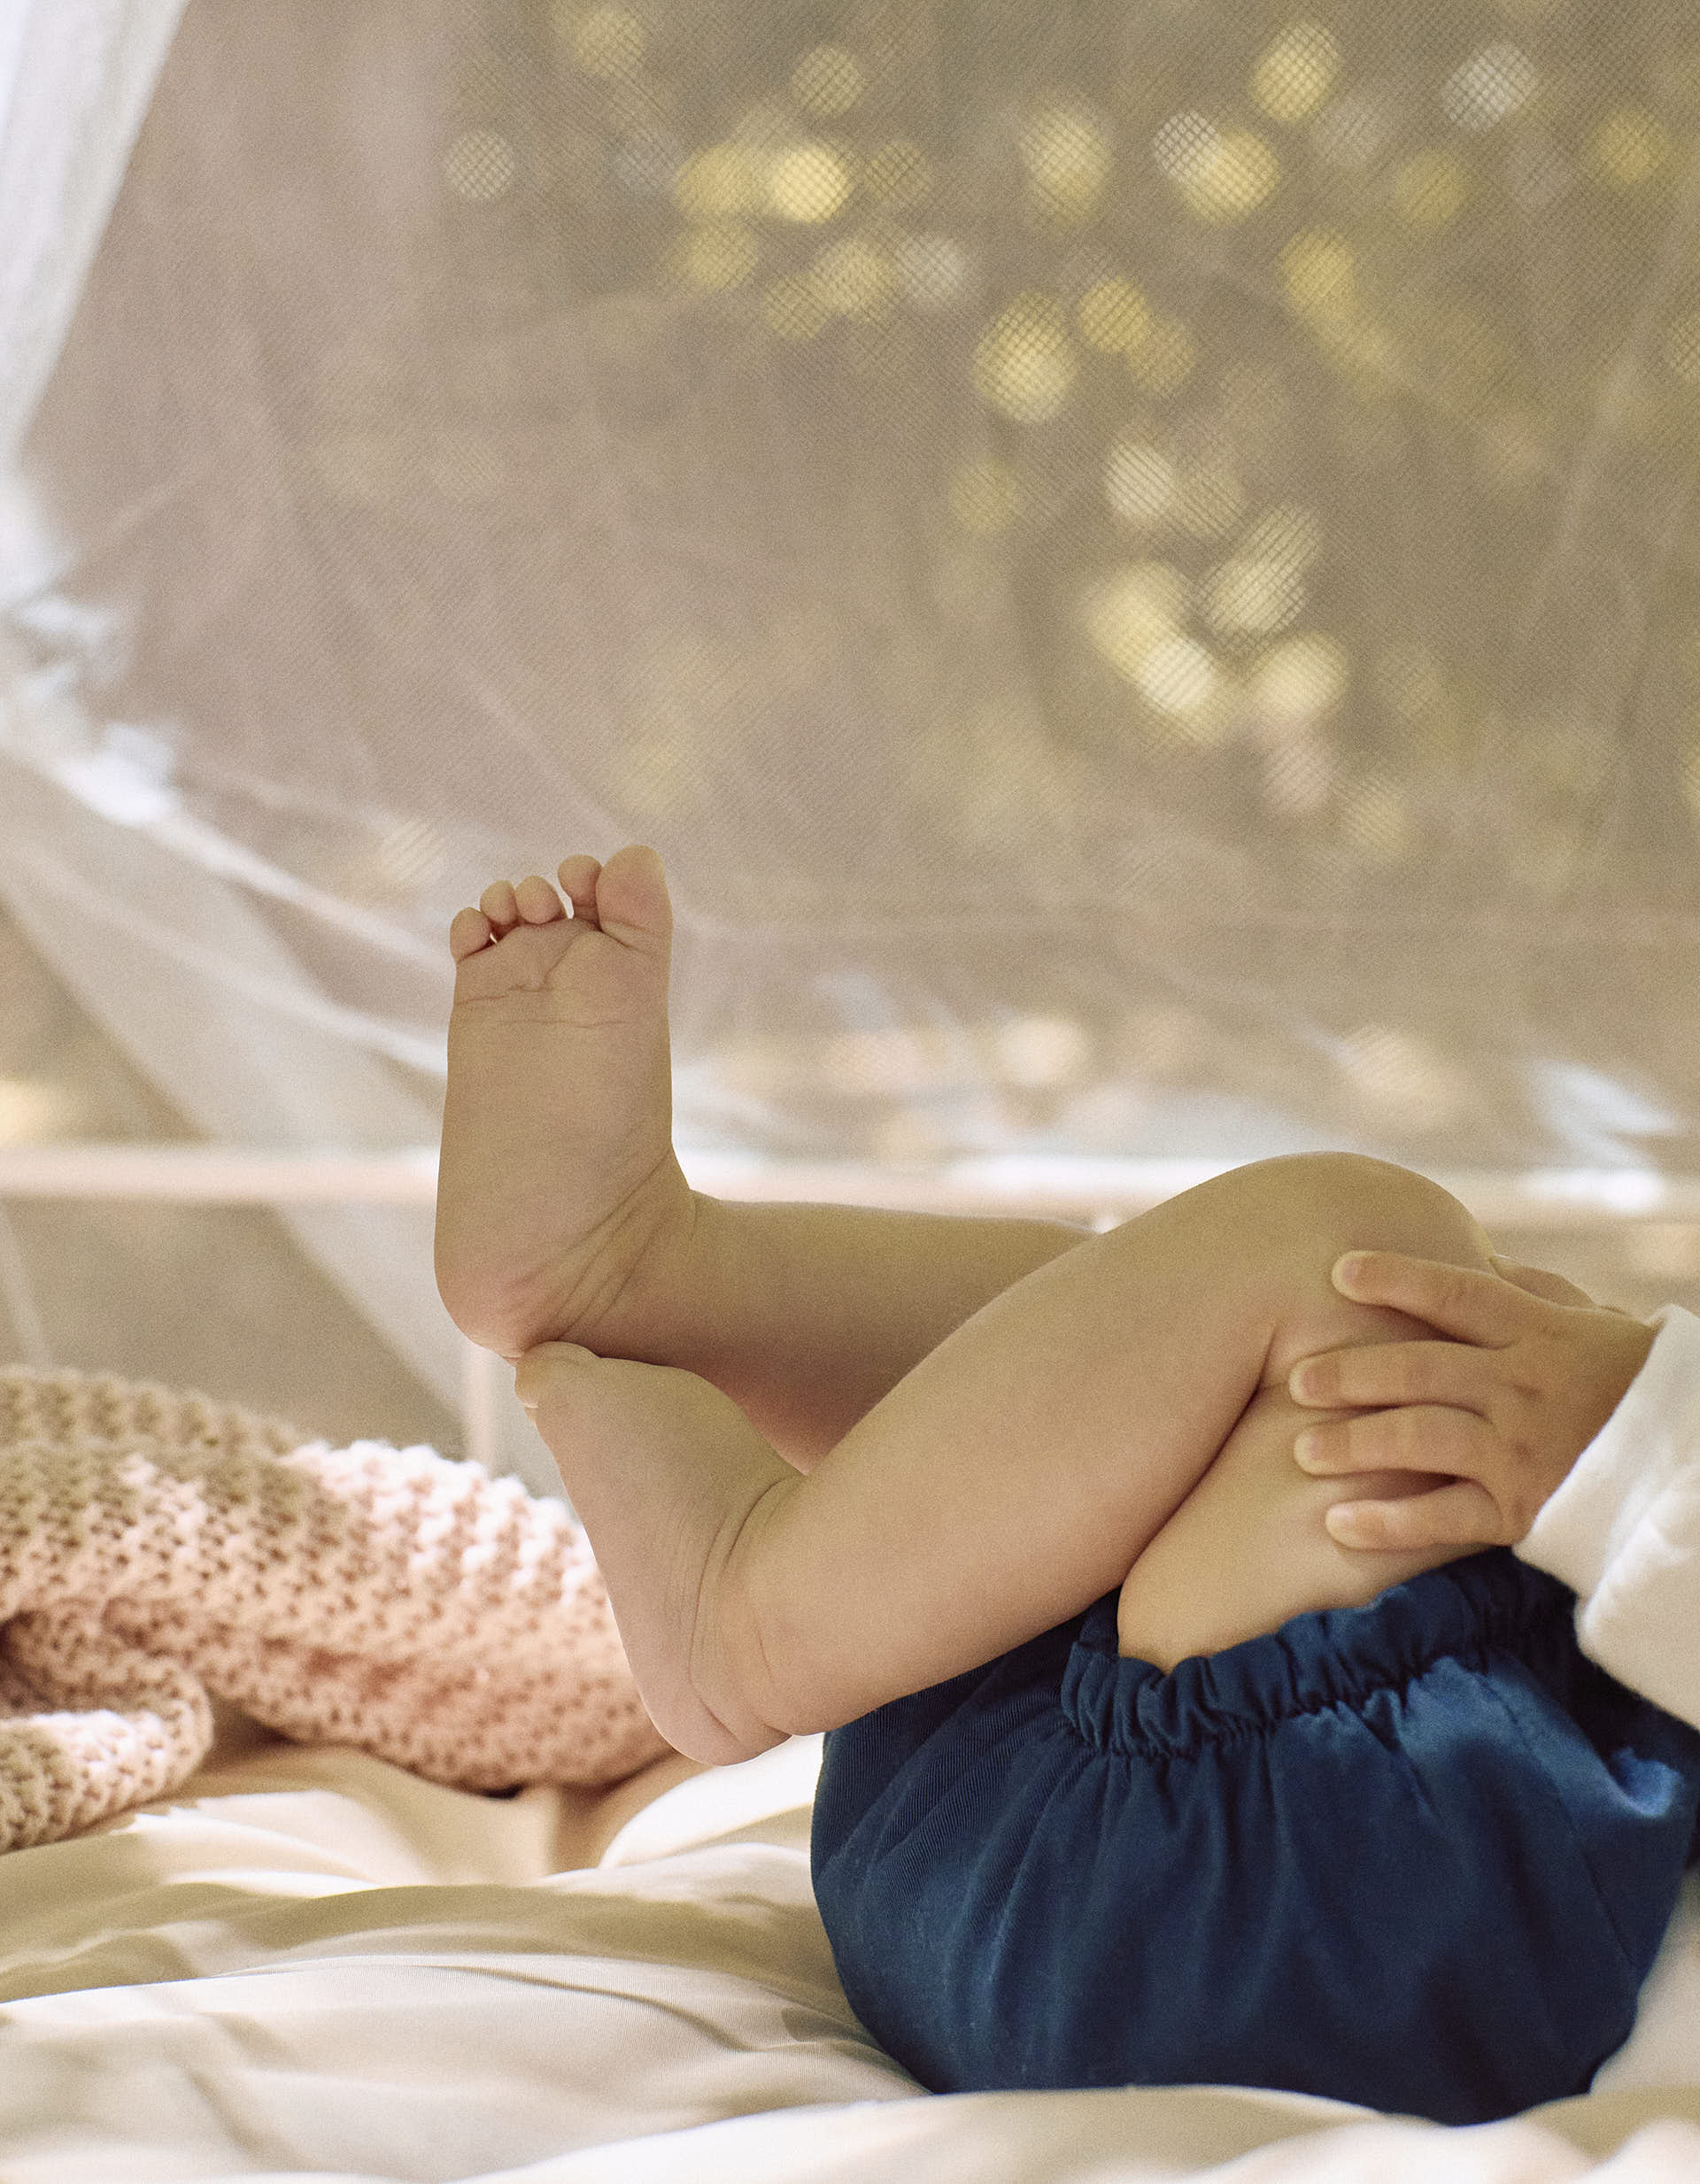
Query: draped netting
x=1137 y=562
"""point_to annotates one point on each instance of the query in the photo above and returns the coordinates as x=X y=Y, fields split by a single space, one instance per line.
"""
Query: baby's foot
x=675 y=1487
x=558 y=1181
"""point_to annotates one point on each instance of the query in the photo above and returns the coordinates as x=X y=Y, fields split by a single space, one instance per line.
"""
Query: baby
x=1140 y=1769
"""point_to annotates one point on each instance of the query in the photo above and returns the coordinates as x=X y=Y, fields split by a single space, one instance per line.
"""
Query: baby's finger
x=1421 y=1438
x=1473 y=1305
x=1376 y=1375
x=1539 y=1282
x=1460 y=1515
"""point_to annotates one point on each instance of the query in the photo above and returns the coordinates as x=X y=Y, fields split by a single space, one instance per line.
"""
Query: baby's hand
x=1533 y=1373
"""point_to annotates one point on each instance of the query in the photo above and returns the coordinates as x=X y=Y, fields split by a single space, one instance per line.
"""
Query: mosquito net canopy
x=1137 y=558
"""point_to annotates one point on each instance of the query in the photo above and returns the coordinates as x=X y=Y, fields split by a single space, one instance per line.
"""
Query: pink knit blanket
x=158 y=1550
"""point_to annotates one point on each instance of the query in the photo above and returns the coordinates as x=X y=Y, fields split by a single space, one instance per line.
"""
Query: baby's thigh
x=1248 y=1548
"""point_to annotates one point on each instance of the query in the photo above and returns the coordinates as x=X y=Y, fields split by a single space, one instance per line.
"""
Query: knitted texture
x=158 y=1550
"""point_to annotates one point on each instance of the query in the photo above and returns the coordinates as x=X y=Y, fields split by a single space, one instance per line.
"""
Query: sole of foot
x=559 y=1194
x=673 y=1486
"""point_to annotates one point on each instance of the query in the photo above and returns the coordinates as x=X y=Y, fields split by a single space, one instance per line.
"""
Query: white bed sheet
x=310 y=1966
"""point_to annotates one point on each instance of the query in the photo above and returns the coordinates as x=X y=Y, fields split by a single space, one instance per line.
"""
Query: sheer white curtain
x=145 y=913
x=1136 y=558
x=75 y=80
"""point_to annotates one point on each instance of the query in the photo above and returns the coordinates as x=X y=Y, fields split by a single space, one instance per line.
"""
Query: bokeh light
x=1222 y=176
x=1113 y=316
x=1498 y=80
x=1296 y=72
x=1067 y=152
x=1024 y=365
x=1629 y=147
x=480 y=165
x=606 y=42
x=807 y=183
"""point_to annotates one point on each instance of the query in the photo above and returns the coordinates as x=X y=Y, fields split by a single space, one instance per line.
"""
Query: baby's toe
x=468 y=932
x=500 y=906
x=537 y=901
x=578 y=876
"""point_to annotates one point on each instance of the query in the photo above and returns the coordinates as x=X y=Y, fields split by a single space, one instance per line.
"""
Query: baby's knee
x=1313 y=1207
x=1333 y=1202
x=1379 y=1204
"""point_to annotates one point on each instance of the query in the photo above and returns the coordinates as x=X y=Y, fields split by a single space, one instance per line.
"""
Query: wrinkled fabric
x=1418 y=1855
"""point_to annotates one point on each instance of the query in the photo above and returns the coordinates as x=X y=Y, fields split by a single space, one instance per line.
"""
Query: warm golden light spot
x=1295 y=74
x=934 y=270
x=985 y=496
x=1249 y=597
x=1491 y=84
x=1040 y=1054
x=807 y=183
x=1179 y=676
x=1222 y=178
x=607 y=43
x=1319 y=271
x=723 y=182
x=827 y=82
x=1067 y=152
x=720 y=255
x=1682 y=347
x=1113 y=316
x=1287 y=536
x=1163 y=362
x=1140 y=483
x=31 y=1110
x=1429 y=189
x=1375 y=821
x=1403 y=1076
x=792 y=307
x=1301 y=678
x=899 y=175
x=1629 y=147
x=480 y=165
x=1025 y=364
x=1132 y=609
x=855 y=280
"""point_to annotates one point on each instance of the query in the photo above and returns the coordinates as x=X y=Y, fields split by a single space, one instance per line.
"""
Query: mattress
x=308 y=1964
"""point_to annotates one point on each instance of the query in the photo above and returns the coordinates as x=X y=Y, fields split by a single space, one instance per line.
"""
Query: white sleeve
x=1623 y=1532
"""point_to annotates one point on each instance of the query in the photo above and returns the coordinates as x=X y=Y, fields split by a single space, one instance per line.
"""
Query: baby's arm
x=1532 y=1370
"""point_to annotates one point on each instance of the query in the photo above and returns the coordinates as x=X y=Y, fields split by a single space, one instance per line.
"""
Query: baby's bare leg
x=1016 y=1474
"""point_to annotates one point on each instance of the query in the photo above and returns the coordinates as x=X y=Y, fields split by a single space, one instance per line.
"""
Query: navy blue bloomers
x=1418 y=1855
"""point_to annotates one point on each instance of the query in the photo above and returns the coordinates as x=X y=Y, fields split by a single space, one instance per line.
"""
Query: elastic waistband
x=1335 y=1656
